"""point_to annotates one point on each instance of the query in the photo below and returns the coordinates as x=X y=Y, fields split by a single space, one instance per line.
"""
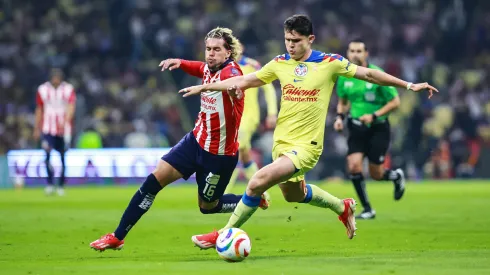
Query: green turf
x=438 y=228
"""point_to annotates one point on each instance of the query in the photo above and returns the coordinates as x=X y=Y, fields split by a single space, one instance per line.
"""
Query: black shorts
x=372 y=141
x=53 y=142
x=213 y=172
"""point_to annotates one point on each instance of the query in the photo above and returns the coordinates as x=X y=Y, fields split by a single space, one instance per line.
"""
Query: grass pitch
x=437 y=228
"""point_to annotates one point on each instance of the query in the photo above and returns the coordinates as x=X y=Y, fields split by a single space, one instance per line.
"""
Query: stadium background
x=110 y=51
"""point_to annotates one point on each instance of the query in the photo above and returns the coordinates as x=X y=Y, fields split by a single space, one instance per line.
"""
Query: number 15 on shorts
x=211 y=183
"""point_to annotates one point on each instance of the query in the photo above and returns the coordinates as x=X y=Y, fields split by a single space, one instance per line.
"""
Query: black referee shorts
x=372 y=141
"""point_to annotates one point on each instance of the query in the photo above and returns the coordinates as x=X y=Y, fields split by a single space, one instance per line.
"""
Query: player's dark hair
x=299 y=23
x=359 y=40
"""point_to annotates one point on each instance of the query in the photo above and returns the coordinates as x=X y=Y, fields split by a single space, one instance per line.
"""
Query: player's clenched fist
x=170 y=64
x=235 y=92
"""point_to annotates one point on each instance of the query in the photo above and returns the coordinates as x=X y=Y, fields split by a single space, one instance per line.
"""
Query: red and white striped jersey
x=216 y=128
x=54 y=102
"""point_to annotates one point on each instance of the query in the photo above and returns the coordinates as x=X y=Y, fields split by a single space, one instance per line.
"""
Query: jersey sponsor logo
x=301 y=70
x=297 y=80
x=208 y=103
x=369 y=96
x=293 y=93
x=348 y=84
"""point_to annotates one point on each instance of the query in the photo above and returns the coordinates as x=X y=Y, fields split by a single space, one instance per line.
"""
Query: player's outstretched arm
x=194 y=68
x=242 y=83
x=384 y=79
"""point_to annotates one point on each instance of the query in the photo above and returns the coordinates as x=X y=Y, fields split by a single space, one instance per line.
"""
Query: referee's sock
x=391 y=175
x=360 y=186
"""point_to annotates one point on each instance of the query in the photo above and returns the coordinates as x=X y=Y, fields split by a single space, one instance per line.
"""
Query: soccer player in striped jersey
x=210 y=150
x=55 y=100
x=251 y=120
x=307 y=78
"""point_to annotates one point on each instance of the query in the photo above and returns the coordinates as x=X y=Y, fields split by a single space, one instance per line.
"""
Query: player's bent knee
x=355 y=168
x=293 y=197
x=165 y=173
x=257 y=185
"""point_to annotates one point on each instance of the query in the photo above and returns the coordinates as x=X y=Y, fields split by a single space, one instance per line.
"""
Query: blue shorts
x=53 y=142
x=213 y=172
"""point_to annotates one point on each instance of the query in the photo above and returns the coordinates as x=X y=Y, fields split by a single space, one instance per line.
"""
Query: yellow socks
x=318 y=197
x=243 y=211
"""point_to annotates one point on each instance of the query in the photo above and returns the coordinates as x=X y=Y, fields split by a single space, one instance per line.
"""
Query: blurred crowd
x=110 y=51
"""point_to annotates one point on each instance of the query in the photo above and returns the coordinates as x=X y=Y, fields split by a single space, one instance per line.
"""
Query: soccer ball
x=233 y=245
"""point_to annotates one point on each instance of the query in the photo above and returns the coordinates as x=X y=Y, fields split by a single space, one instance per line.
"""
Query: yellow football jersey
x=306 y=89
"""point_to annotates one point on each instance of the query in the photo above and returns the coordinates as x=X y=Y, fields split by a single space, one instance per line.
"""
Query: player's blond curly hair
x=231 y=42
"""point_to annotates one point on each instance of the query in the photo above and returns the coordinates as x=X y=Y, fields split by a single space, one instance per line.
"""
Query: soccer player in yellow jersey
x=251 y=119
x=307 y=78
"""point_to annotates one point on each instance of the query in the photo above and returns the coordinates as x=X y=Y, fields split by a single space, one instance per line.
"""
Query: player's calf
x=140 y=203
x=320 y=198
x=294 y=191
x=228 y=202
x=225 y=204
x=361 y=190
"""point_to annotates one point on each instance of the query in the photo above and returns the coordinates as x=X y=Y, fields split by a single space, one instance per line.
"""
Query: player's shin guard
x=360 y=186
x=139 y=205
x=226 y=204
x=320 y=198
x=243 y=211
x=49 y=168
